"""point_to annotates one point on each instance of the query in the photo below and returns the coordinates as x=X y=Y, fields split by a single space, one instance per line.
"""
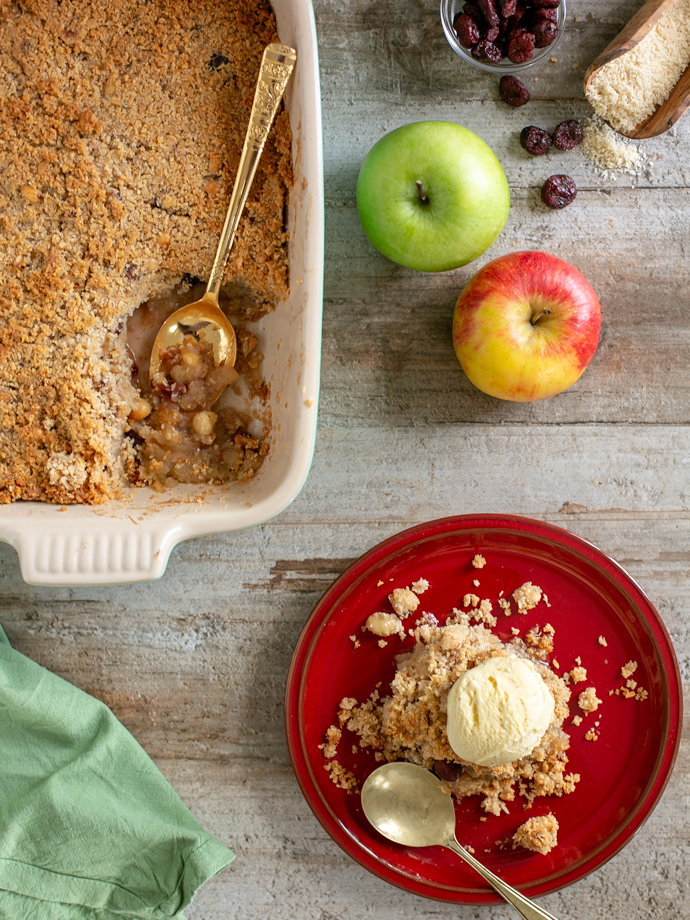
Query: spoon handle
x=526 y=908
x=277 y=65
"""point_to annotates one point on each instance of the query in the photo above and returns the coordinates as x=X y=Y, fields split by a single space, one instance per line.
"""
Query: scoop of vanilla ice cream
x=498 y=711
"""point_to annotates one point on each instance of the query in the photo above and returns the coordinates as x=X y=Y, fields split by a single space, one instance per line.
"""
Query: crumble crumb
x=333 y=736
x=479 y=561
x=578 y=660
x=420 y=586
x=539 y=834
x=602 y=641
x=504 y=604
x=341 y=777
x=591 y=735
x=515 y=631
x=475 y=582
x=555 y=664
x=588 y=700
x=578 y=675
x=527 y=596
x=403 y=601
x=379 y=583
x=629 y=668
x=577 y=720
x=630 y=683
x=355 y=641
x=382 y=643
x=470 y=599
x=540 y=641
x=384 y=624
x=546 y=600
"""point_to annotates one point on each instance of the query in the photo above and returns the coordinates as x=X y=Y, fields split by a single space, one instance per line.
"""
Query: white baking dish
x=130 y=541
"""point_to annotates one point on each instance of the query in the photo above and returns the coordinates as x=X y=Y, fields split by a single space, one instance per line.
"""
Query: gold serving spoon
x=204 y=319
x=407 y=805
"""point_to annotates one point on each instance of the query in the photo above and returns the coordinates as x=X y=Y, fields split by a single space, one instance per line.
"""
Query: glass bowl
x=451 y=8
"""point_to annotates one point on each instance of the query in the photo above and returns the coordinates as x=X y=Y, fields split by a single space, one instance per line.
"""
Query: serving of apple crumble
x=410 y=723
x=121 y=127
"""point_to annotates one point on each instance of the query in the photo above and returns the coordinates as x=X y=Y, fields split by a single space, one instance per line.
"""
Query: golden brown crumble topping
x=539 y=834
x=121 y=126
x=410 y=724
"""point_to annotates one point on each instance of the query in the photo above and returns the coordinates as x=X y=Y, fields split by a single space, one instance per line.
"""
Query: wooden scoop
x=639 y=26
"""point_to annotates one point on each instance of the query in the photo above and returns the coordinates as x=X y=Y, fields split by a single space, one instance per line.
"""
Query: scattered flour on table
x=607 y=151
x=629 y=88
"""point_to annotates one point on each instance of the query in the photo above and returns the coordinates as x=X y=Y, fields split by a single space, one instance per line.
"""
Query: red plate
x=622 y=774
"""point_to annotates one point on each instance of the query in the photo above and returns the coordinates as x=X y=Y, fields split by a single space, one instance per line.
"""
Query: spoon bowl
x=407 y=804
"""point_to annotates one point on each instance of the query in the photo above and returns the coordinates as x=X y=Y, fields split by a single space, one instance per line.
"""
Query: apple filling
x=177 y=433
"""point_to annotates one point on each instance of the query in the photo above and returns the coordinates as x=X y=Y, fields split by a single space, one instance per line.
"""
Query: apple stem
x=420 y=189
x=537 y=316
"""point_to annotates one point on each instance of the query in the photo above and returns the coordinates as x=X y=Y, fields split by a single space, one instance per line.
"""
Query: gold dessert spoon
x=407 y=805
x=204 y=319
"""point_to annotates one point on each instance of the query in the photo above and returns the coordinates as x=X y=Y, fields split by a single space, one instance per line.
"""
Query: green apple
x=432 y=196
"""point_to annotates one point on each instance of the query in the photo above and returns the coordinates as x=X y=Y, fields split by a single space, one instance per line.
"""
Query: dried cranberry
x=546 y=4
x=467 y=30
x=541 y=15
x=487 y=51
x=512 y=91
x=535 y=141
x=519 y=13
x=508 y=8
x=544 y=33
x=447 y=771
x=514 y=31
x=217 y=61
x=521 y=47
x=472 y=10
x=489 y=10
x=558 y=192
x=567 y=135
x=490 y=34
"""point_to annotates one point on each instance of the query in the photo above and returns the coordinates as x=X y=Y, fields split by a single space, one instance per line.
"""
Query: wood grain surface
x=195 y=664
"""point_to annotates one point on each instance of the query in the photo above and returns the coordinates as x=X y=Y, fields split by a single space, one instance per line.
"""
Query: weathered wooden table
x=195 y=665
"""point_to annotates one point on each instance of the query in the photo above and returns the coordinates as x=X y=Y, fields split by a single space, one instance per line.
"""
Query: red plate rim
x=524 y=525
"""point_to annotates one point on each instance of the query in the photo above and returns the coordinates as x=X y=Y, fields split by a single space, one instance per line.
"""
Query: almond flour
x=628 y=89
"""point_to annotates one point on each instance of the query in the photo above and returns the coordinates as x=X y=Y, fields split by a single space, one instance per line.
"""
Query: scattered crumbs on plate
x=341 y=777
x=330 y=746
x=577 y=720
x=504 y=604
x=479 y=561
x=382 y=643
x=629 y=668
x=591 y=735
x=470 y=599
x=602 y=641
x=379 y=583
x=403 y=601
x=527 y=596
x=515 y=631
x=588 y=700
x=555 y=664
x=420 y=586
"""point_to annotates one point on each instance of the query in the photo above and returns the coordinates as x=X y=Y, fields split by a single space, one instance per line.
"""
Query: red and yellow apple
x=526 y=326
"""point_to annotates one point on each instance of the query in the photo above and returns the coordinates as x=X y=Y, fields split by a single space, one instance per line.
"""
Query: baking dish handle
x=125 y=554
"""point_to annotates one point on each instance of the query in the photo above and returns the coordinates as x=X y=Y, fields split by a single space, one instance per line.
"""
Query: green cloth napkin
x=89 y=827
